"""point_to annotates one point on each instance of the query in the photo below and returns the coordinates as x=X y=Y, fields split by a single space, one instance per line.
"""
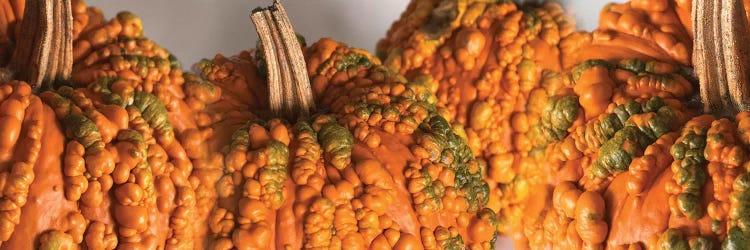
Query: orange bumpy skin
x=685 y=189
x=32 y=197
x=588 y=141
x=602 y=113
x=117 y=154
x=518 y=108
x=649 y=30
x=380 y=169
x=487 y=60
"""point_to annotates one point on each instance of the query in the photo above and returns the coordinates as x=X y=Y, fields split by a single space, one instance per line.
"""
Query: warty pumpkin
x=486 y=58
x=99 y=144
x=606 y=127
x=624 y=87
x=372 y=167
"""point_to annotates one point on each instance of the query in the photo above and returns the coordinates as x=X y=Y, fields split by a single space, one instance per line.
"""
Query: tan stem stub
x=44 y=50
x=720 y=54
x=290 y=93
x=736 y=47
x=273 y=77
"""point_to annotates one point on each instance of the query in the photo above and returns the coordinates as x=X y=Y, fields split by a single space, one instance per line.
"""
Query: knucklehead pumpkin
x=99 y=142
x=605 y=126
x=108 y=144
x=373 y=165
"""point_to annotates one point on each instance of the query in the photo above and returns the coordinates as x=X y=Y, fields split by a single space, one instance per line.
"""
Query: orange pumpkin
x=374 y=168
x=487 y=59
x=103 y=160
x=591 y=120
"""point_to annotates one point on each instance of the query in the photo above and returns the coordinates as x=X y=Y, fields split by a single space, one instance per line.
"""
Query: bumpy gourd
x=379 y=169
x=608 y=113
x=106 y=161
x=486 y=60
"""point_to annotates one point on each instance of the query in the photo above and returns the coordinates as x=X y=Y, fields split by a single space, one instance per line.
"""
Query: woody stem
x=720 y=54
x=290 y=93
x=44 y=50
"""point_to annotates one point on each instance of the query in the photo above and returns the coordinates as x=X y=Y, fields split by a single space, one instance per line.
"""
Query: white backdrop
x=196 y=29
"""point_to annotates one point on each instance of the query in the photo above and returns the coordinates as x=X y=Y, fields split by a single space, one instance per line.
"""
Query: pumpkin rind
x=378 y=165
x=627 y=88
x=112 y=156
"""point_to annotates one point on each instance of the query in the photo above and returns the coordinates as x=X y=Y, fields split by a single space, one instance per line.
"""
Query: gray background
x=196 y=29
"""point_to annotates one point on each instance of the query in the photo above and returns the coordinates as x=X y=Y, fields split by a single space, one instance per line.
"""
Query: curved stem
x=290 y=93
x=720 y=54
x=44 y=50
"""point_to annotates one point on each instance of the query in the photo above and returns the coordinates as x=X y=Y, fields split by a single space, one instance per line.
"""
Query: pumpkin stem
x=290 y=93
x=44 y=49
x=721 y=52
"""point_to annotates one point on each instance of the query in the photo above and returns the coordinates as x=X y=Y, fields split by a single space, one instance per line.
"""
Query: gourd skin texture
x=598 y=124
x=107 y=161
x=31 y=172
x=489 y=57
x=134 y=154
x=379 y=169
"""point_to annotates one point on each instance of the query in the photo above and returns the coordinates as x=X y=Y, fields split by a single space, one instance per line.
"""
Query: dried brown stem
x=302 y=86
x=44 y=50
x=290 y=93
x=275 y=90
x=736 y=47
x=720 y=55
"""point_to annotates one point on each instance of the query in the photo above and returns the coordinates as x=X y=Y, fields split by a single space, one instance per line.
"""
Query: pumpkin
x=99 y=144
x=372 y=166
x=604 y=126
x=487 y=59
